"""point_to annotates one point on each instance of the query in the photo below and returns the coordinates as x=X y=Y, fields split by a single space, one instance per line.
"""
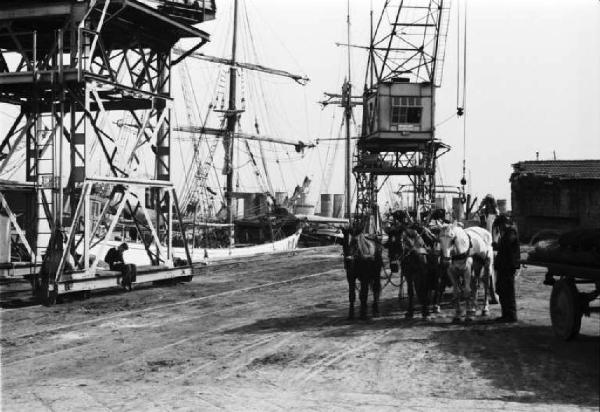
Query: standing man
x=488 y=211
x=506 y=264
x=114 y=258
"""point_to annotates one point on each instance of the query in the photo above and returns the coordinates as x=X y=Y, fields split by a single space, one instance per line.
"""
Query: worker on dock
x=114 y=259
x=506 y=264
x=488 y=211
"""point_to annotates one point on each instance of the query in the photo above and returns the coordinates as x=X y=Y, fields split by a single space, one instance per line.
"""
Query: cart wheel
x=565 y=309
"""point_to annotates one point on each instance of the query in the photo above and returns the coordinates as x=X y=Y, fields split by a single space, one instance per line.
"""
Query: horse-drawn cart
x=567 y=303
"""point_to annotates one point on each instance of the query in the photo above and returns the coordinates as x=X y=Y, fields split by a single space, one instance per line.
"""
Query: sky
x=533 y=85
x=533 y=78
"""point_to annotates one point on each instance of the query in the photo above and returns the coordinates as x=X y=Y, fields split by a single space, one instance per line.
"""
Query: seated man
x=114 y=259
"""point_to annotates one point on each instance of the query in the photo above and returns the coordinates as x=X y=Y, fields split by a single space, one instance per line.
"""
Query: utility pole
x=231 y=121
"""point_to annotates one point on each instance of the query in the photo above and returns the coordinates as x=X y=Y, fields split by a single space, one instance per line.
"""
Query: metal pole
x=231 y=121
x=59 y=207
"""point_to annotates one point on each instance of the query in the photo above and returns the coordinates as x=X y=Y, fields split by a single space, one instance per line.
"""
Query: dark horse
x=414 y=246
x=364 y=266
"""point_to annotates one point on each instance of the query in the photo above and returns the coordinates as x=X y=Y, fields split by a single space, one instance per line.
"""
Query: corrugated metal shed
x=558 y=169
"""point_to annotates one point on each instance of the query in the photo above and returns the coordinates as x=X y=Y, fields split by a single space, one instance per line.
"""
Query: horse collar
x=465 y=254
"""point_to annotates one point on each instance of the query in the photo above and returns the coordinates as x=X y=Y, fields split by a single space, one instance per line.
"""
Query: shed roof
x=559 y=169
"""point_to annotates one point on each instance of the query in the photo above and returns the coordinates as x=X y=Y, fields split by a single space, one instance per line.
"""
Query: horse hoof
x=436 y=309
x=468 y=319
x=408 y=315
x=456 y=319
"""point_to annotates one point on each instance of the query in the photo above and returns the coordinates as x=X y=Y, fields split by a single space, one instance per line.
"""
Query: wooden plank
x=103 y=282
x=565 y=269
x=29 y=11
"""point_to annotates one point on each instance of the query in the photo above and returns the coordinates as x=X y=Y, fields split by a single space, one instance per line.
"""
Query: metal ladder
x=45 y=184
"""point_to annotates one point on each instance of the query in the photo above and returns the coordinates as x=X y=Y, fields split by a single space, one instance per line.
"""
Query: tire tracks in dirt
x=135 y=312
x=301 y=379
x=94 y=342
x=285 y=339
x=198 y=336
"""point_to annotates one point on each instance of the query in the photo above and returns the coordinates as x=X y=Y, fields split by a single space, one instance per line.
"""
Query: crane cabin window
x=406 y=110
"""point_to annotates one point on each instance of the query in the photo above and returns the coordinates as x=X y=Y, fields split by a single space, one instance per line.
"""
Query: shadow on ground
x=530 y=362
x=327 y=318
x=525 y=362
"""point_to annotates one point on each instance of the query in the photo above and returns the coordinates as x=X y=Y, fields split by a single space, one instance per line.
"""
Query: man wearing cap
x=506 y=264
x=114 y=259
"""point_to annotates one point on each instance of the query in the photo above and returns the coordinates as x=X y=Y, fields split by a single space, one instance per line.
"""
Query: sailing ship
x=221 y=224
x=218 y=223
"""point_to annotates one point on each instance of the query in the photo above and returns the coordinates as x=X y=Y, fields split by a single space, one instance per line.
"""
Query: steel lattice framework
x=68 y=65
x=409 y=40
x=407 y=45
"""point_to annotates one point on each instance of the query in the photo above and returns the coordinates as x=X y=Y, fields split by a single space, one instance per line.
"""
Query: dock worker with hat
x=114 y=259
x=506 y=264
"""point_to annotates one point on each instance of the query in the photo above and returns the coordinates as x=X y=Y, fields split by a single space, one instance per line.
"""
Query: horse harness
x=465 y=254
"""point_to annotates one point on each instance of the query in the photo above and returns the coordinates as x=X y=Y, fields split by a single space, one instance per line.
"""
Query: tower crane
x=404 y=68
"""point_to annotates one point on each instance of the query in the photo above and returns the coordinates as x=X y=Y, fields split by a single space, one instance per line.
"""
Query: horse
x=468 y=252
x=364 y=265
x=414 y=248
x=488 y=223
x=395 y=249
x=438 y=267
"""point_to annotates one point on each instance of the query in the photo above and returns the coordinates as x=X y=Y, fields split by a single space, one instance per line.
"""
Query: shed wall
x=540 y=203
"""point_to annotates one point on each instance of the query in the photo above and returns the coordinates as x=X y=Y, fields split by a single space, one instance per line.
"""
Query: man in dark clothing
x=488 y=207
x=506 y=264
x=114 y=259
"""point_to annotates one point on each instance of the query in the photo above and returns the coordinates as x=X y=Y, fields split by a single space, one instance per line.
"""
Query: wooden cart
x=567 y=303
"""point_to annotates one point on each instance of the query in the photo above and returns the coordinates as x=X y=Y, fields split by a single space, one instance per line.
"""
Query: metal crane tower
x=69 y=65
x=406 y=55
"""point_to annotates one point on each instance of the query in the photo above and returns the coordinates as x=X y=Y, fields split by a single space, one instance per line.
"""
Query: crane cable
x=461 y=105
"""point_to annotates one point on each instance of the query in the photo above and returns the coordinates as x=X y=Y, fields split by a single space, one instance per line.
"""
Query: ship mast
x=347 y=93
x=232 y=115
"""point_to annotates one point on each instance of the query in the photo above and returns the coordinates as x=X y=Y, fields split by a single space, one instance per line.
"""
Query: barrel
x=458 y=209
x=326 y=205
x=440 y=202
x=261 y=204
x=338 y=206
x=304 y=209
x=249 y=206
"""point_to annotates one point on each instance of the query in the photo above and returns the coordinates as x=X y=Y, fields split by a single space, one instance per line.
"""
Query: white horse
x=469 y=250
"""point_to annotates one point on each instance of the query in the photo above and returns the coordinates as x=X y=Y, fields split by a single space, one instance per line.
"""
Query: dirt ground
x=271 y=334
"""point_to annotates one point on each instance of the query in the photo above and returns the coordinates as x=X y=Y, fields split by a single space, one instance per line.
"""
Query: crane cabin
x=399 y=109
